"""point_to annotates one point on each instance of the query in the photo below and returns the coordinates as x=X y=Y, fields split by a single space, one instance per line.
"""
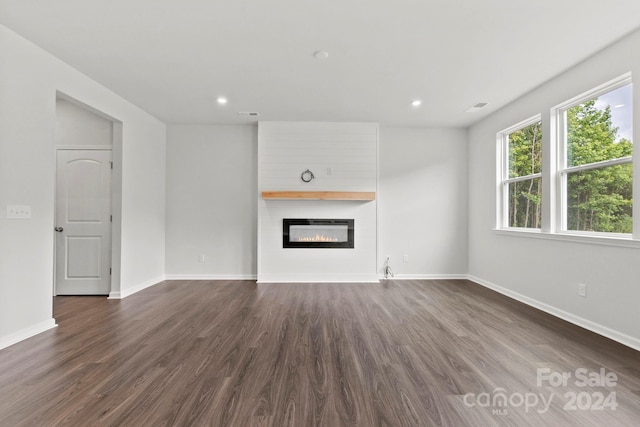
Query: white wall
x=285 y=150
x=422 y=203
x=544 y=272
x=212 y=183
x=29 y=81
x=78 y=126
x=212 y=170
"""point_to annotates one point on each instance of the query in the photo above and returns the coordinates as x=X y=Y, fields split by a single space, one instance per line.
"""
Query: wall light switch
x=18 y=212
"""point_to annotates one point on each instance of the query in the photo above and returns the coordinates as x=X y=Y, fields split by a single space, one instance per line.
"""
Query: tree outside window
x=522 y=180
x=598 y=175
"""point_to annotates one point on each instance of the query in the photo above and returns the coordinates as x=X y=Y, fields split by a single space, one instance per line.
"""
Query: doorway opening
x=88 y=143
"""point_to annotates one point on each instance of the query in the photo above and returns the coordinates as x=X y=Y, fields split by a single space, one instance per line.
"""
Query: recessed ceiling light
x=222 y=100
x=321 y=54
x=416 y=103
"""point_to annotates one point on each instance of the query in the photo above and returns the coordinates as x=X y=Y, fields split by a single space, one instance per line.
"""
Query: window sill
x=596 y=239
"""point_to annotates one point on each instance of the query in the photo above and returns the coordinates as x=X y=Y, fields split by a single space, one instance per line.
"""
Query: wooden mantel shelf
x=320 y=195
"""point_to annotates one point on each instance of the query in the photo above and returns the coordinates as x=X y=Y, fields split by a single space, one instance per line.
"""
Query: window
x=595 y=160
x=574 y=182
x=521 y=180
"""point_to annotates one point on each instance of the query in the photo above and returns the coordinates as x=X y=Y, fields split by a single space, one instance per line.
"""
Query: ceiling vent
x=249 y=113
x=476 y=107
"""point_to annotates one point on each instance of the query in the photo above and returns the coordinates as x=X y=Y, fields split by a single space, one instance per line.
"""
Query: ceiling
x=174 y=58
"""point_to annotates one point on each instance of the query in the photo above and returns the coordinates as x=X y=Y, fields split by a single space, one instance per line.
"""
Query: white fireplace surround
x=342 y=157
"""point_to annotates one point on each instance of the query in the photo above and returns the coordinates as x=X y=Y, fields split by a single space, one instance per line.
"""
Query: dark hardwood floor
x=401 y=353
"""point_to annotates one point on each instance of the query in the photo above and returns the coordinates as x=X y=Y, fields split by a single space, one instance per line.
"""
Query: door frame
x=116 y=191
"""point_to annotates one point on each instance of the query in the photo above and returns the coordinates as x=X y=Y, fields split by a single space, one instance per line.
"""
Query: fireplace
x=317 y=233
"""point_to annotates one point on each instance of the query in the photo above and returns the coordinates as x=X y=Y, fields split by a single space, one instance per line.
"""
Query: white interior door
x=83 y=222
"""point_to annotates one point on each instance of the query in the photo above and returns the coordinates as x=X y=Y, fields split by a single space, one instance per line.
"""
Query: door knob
x=59 y=229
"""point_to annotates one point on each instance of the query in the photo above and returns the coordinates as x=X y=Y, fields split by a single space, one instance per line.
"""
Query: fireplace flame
x=317 y=238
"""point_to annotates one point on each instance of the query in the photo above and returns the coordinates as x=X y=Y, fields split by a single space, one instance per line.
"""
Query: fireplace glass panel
x=319 y=233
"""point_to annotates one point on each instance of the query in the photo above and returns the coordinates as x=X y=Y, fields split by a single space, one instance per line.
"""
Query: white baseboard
x=620 y=337
x=338 y=278
x=426 y=277
x=123 y=293
x=210 y=277
x=25 y=333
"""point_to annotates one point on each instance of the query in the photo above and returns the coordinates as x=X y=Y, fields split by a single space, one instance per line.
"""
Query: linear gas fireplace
x=317 y=233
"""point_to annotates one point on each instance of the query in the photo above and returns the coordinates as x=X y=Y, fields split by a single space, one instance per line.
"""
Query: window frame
x=503 y=175
x=562 y=171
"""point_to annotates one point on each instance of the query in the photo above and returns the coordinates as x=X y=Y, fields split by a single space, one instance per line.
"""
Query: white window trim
x=503 y=173
x=558 y=116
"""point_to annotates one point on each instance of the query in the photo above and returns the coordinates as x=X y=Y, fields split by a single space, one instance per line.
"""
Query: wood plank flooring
x=399 y=353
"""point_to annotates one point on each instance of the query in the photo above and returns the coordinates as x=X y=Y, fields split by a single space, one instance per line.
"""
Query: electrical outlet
x=405 y=258
x=202 y=259
x=582 y=290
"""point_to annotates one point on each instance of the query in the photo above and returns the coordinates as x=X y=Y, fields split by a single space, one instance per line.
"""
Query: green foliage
x=598 y=199
x=525 y=158
x=525 y=151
